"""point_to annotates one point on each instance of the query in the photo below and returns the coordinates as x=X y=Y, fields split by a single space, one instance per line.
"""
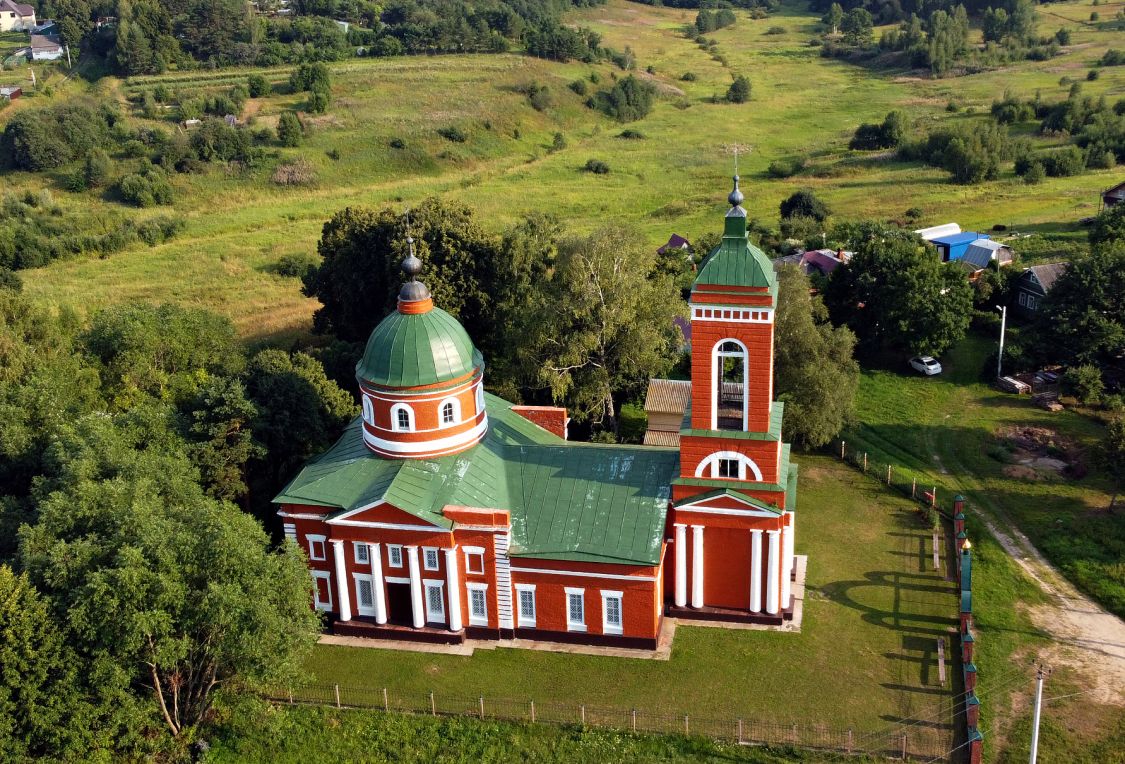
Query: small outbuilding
x=675 y=243
x=1114 y=195
x=954 y=246
x=10 y=93
x=982 y=254
x=937 y=231
x=45 y=48
x=1033 y=285
x=666 y=402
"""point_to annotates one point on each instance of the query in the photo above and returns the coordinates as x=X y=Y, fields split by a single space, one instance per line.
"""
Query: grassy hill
x=674 y=179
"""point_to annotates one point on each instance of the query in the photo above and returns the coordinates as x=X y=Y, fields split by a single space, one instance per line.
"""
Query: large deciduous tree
x=814 y=371
x=896 y=294
x=603 y=324
x=1082 y=320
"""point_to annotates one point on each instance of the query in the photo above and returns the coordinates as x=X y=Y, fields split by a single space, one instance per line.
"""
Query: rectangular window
x=362 y=552
x=1023 y=299
x=612 y=619
x=1032 y=301
x=290 y=531
x=322 y=590
x=474 y=559
x=316 y=547
x=728 y=468
x=478 y=604
x=364 y=594
x=394 y=555
x=435 y=602
x=525 y=594
x=430 y=558
x=575 y=609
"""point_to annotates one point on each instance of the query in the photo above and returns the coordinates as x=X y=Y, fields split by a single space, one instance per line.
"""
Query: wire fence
x=931 y=741
x=910 y=483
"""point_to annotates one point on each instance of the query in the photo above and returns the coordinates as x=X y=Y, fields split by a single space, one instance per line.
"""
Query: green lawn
x=673 y=180
x=866 y=657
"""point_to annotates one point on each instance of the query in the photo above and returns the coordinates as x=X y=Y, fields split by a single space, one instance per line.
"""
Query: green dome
x=737 y=262
x=411 y=350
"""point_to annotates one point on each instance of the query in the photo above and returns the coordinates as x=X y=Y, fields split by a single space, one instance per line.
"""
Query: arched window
x=450 y=412
x=480 y=397
x=729 y=464
x=730 y=370
x=368 y=411
x=402 y=418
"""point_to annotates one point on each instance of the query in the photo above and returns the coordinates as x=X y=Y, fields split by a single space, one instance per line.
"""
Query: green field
x=674 y=180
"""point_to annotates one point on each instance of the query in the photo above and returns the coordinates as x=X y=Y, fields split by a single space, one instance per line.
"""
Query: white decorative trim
x=456 y=403
x=453 y=589
x=360 y=608
x=397 y=580
x=420 y=396
x=571 y=623
x=439 y=428
x=356 y=511
x=717 y=381
x=772 y=572
x=426 y=551
x=486 y=528
x=618 y=628
x=427 y=446
x=756 y=570
x=368 y=410
x=735 y=512
x=474 y=619
x=681 y=565
x=417 y=605
x=726 y=313
x=525 y=621
x=290 y=530
x=300 y=515
x=402 y=407
x=615 y=576
x=361 y=545
x=472 y=552
x=431 y=615
x=697 y=566
x=390 y=559
x=388 y=526
x=503 y=569
x=345 y=598
x=744 y=461
x=310 y=539
x=326 y=576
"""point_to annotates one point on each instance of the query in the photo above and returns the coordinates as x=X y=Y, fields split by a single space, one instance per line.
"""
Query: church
x=445 y=513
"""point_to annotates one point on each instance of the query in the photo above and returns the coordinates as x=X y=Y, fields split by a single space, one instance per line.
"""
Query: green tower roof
x=415 y=349
x=737 y=262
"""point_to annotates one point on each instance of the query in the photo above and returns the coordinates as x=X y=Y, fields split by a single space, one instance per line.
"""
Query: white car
x=925 y=364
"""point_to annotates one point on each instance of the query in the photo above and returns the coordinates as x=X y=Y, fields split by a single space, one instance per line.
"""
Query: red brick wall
x=758 y=339
x=551 y=418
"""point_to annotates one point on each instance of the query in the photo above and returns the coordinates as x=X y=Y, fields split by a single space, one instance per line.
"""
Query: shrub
x=318 y=102
x=539 y=96
x=333 y=154
x=1112 y=57
x=146 y=188
x=258 y=86
x=775 y=30
x=1092 y=75
x=887 y=135
x=579 y=87
x=1035 y=173
x=11 y=280
x=687 y=77
x=1095 y=16
x=559 y=142
x=739 y=90
x=159 y=229
x=784 y=168
x=804 y=204
x=1084 y=383
x=596 y=166
x=397 y=143
x=310 y=77
x=1062 y=36
x=452 y=134
x=630 y=134
x=299 y=172
x=290 y=131
x=630 y=99
x=1067 y=161
x=96 y=169
x=296 y=265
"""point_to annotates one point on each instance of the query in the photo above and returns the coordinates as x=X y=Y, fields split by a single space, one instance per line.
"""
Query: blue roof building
x=953 y=247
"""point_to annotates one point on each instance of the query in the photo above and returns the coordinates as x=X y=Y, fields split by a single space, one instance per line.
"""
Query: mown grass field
x=675 y=179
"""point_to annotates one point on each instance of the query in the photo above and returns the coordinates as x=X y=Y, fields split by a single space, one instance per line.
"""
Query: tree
x=833 y=18
x=179 y=592
x=258 y=86
x=857 y=27
x=1023 y=20
x=1082 y=319
x=220 y=436
x=739 y=90
x=887 y=135
x=804 y=204
x=1084 y=383
x=289 y=129
x=994 y=24
x=630 y=99
x=949 y=34
x=896 y=294
x=814 y=372
x=603 y=325
x=1109 y=226
x=1111 y=456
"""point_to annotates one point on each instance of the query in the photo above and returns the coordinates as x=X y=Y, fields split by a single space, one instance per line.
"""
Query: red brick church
x=445 y=513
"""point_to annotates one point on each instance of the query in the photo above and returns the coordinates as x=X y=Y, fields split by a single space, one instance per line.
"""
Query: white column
x=756 y=571
x=771 y=575
x=681 y=565
x=374 y=551
x=787 y=564
x=415 y=587
x=697 y=566
x=453 y=585
x=345 y=608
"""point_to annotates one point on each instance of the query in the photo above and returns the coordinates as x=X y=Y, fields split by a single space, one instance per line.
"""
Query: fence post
x=433 y=705
x=634 y=721
x=740 y=732
x=933 y=498
x=336 y=687
x=794 y=734
x=290 y=694
x=851 y=740
x=687 y=728
x=843 y=443
x=904 y=746
x=386 y=701
x=913 y=487
x=888 y=474
x=481 y=706
x=533 y=712
x=582 y=710
x=865 y=461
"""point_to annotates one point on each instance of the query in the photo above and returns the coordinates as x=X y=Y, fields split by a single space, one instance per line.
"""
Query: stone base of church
x=367 y=628
x=731 y=615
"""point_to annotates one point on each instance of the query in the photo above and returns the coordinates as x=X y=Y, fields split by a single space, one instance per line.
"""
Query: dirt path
x=1086 y=637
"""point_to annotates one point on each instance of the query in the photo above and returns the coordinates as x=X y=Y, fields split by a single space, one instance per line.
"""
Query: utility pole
x=1038 y=707
x=69 y=65
x=1003 y=324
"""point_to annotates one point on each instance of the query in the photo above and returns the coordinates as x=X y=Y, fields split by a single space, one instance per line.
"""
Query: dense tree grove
x=133 y=590
x=1082 y=320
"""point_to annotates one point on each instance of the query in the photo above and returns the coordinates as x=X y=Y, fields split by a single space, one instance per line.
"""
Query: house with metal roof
x=444 y=513
x=954 y=246
x=985 y=253
x=1032 y=287
x=16 y=17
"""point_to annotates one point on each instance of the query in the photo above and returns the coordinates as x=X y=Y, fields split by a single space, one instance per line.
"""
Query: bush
x=688 y=77
x=299 y=172
x=452 y=134
x=887 y=135
x=630 y=134
x=310 y=77
x=739 y=90
x=397 y=143
x=1084 y=383
x=146 y=188
x=596 y=166
x=333 y=154
x=1064 y=162
x=539 y=96
x=785 y=168
x=579 y=87
x=290 y=131
x=1035 y=173
x=1112 y=57
x=629 y=100
x=318 y=102
x=775 y=30
x=258 y=86
x=1062 y=36
x=804 y=204
x=1092 y=75
x=296 y=266
x=11 y=280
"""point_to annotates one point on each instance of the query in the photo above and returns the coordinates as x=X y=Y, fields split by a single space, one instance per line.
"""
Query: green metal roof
x=408 y=350
x=757 y=503
x=568 y=501
x=737 y=262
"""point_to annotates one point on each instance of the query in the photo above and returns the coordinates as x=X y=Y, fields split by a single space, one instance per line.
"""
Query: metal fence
x=930 y=741
x=908 y=482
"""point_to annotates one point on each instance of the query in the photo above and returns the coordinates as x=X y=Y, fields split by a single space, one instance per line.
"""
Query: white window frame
x=571 y=623
x=607 y=627
x=747 y=469
x=312 y=539
x=739 y=469
x=426 y=552
x=525 y=621
x=397 y=409
x=324 y=574
x=357 y=547
x=456 y=404
x=290 y=531
x=474 y=619
x=428 y=585
x=480 y=397
x=392 y=551
x=474 y=553
x=1032 y=302
x=717 y=357
x=1023 y=299
x=368 y=411
x=360 y=608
